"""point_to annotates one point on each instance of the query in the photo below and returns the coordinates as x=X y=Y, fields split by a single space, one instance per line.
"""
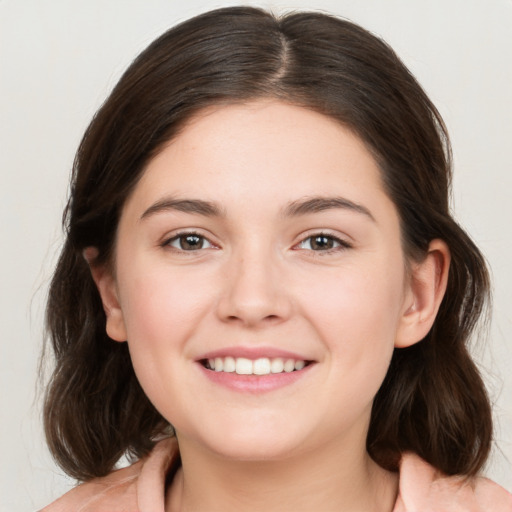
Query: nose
x=254 y=293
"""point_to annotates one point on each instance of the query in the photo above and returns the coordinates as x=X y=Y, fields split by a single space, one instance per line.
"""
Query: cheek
x=356 y=299
x=356 y=312
x=162 y=307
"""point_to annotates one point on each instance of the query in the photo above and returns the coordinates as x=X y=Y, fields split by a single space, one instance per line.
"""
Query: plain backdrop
x=58 y=61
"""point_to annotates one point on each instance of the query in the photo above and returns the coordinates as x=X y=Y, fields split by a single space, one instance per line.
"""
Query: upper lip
x=253 y=353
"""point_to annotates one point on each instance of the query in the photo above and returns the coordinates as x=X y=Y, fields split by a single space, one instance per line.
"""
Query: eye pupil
x=191 y=242
x=322 y=242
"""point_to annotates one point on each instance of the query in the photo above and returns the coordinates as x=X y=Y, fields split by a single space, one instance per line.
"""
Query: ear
x=425 y=291
x=107 y=289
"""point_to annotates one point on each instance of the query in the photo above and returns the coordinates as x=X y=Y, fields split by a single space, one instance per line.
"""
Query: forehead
x=262 y=152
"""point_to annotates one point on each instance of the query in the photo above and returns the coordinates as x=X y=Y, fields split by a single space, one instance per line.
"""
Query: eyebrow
x=320 y=203
x=294 y=209
x=195 y=206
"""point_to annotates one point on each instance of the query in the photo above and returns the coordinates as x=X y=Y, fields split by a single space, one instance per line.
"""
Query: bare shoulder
x=140 y=486
x=116 y=492
x=424 y=488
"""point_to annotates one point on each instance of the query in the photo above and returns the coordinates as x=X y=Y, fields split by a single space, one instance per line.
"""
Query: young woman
x=262 y=296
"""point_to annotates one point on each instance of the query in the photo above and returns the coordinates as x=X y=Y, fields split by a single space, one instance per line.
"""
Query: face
x=260 y=282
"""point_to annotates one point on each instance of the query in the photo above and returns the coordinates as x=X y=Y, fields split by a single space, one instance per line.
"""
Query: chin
x=256 y=450
x=249 y=442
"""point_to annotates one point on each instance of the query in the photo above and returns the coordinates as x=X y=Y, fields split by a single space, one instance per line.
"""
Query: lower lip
x=255 y=383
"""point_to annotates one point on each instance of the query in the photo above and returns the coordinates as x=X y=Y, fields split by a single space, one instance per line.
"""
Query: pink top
x=141 y=488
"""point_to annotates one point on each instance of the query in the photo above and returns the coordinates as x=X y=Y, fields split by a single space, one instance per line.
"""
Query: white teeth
x=277 y=365
x=261 y=366
x=289 y=366
x=243 y=366
x=229 y=365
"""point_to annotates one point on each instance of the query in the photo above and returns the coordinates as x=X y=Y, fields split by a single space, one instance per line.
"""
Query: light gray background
x=58 y=61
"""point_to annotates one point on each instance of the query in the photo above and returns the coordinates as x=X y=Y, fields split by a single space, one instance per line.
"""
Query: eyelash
x=341 y=244
x=182 y=235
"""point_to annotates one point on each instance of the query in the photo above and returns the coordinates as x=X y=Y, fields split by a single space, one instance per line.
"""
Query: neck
x=323 y=479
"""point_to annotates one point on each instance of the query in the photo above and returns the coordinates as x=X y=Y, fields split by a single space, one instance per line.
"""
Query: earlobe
x=426 y=289
x=106 y=285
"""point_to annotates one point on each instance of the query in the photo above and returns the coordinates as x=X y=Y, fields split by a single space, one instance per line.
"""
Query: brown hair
x=433 y=401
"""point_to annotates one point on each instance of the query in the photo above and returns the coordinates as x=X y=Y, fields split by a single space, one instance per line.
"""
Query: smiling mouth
x=260 y=366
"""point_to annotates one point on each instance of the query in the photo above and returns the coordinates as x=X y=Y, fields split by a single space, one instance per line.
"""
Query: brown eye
x=189 y=242
x=322 y=242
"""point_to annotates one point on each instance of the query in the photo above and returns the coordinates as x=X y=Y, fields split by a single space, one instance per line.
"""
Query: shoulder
x=113 y=493
x=424 y=488
x=126 y=490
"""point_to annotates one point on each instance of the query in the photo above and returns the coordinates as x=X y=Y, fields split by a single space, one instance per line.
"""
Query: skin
x=257 y=281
